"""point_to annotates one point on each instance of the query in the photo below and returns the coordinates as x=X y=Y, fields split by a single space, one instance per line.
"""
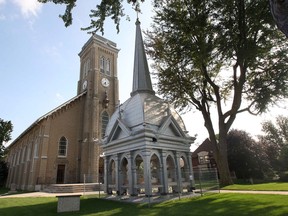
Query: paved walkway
x=45 y=194
x=137 y=199
x=255 y=192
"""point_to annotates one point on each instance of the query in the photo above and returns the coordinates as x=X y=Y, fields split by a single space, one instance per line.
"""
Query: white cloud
x=28 y=7
x=2 y=16
x=2 y=2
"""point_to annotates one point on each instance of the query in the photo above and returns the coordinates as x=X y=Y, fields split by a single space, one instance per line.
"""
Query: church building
x=63 y=146
x=138 y=147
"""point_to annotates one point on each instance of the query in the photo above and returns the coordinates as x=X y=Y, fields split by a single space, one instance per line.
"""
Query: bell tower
x=98 y=83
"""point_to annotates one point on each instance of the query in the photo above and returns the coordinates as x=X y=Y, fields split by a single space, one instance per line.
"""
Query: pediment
x=119 y=130
x=170 y=127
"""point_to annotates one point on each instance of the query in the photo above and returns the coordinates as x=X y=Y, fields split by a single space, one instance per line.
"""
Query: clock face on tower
x=105 y=82
x=84 y=86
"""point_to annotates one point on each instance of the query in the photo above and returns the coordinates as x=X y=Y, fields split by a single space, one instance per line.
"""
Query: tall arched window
x=108 y=67
x=62 y=150
x=102 y=64
x=105 y=120
x=86 y=68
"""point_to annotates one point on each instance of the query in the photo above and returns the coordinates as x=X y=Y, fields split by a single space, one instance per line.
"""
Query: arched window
x=86 y=68
x=62 y=150
x=102 y=64
x=108 y=67
x=105 y=120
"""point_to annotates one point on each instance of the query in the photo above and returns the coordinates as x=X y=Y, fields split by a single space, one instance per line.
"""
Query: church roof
x=47 y=115
x=144 y=110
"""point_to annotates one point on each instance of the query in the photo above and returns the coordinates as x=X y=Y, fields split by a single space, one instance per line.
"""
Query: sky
x=40 y=66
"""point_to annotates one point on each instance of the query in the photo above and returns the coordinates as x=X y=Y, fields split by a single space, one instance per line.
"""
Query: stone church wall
x=33 y=157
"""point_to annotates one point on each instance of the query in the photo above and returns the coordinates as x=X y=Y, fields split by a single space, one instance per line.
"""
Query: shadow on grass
x=217 y=204
x=48 y=207
x=227 y=204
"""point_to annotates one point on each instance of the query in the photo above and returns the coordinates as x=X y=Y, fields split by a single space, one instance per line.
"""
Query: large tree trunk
x=223 y=168
x=219 y=149
x=220 y=154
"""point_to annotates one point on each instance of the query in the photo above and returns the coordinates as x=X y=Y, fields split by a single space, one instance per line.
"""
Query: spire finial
x=137 y=13
x=136 y=7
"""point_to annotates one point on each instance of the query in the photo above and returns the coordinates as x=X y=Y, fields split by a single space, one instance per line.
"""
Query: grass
x=272 y=186
x=214 y=204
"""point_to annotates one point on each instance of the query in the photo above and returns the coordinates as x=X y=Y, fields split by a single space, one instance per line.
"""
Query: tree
x=215 y=54
x=3 y=172
x=106 y=8
x=114 y=9
x=280 y=15
x=276 y=139
x=246 y=157
x=6 y=128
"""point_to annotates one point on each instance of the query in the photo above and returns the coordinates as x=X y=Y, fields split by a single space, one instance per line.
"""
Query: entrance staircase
x=73 y=188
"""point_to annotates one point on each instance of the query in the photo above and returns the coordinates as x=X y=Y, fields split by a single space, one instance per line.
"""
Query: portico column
x=191 y=174
x=179 y=179
x=106 y=174
x=130 y=173
x=147 y=172
x=135 y=183
x=164 y=172
x=117 y=176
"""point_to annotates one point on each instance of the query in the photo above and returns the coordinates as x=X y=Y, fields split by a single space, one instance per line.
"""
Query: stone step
x=73 y=188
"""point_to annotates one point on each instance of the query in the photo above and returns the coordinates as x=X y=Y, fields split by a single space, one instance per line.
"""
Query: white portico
x=146 y=146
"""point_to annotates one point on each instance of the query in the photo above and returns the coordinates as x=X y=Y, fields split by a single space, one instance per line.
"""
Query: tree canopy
x=6 y=128
x=246 y=157
x=114 y=10
x=275 y=139
x=107 y=8
x=212 y=55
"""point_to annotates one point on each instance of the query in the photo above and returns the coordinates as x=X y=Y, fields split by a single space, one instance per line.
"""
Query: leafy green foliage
x=275 y=139
x=107 y=8
x=67 y=16
x=205 y=50
x=3 y=173
x=6 y=128
x=246 y=157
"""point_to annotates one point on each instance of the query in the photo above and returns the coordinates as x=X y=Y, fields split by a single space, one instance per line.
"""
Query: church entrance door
x=60 y=174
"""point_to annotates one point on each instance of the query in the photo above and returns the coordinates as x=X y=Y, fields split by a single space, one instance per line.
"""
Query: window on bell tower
x=104 y=123
x=102 y=64
x=86 y=68
x=108 y=66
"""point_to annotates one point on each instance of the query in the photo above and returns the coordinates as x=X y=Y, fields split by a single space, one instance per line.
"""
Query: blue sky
x=39 y=66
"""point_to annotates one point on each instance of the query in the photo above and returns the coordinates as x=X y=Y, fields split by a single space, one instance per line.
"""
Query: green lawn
x=273 y=186
x=214 y=204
